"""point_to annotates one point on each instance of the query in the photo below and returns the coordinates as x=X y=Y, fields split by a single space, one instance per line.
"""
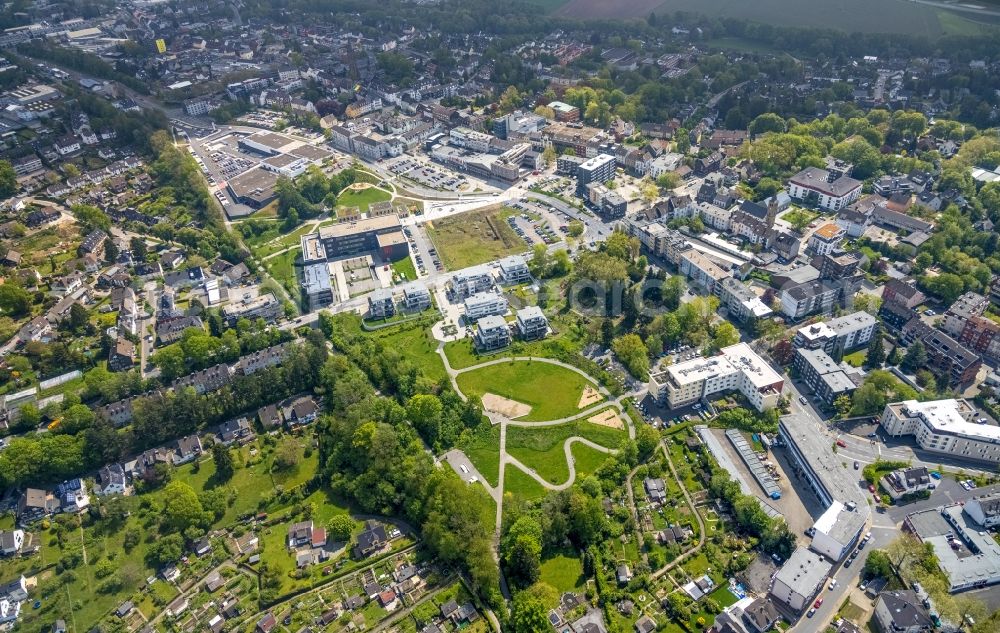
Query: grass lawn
x=483 y=450
x=552 y=391
x=857 y=359
x=474 y=238
x=541 y=448
x=362 y=198
x=417 y=345
x=404 y=268
x=563 y=572
x=282 y=268
x=586 y=459
x=521 y=486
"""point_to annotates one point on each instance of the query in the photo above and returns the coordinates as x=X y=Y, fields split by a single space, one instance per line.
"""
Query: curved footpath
x=570 y=461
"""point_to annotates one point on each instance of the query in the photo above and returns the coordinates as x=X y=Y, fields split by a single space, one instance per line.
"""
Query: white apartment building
x=735 y=368
x=484 y=304
x=838 y=335
x=514 y=270
x=826 y=239
x=829 y=193
x=702 y=271
x=469 y=281
x=800 y=579
x=944 y=426
x=715 y=217
x=985 y=510
x=416 y=296
x=741 y=301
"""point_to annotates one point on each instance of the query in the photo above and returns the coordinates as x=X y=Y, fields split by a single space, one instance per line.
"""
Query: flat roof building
x=492 y=332
x=531 y=323
x=967 y=554
x=317 y=285
x=383 y=233
x=943 y=426
x=800 y=579
x=254 y=187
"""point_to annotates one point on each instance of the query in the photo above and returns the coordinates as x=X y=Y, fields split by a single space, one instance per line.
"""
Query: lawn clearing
x=404 y=268
x=586 y=459
x=362 y=198
x=563 y=572
x=417 y=345
x=483 y=450
x=857 y=359
x=542 y=448
x=521 y=486
x=551 y=391
x=472 y=238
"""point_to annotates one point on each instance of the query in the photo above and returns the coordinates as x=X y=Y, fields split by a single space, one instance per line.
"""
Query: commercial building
x=947 y=427
x=383 y=234
x=800 y=579
x=946 y=358
x=565 y=112
x=317 y=286
x=514 y=270
x=416 y=297
x=492 y=332
x=484 y=304
x=469 y=281
x=824 y=188
x=741 y=301
x=599 y=169
x=735 y=368
x=837 y=530
x=824 y=376
x=610 y=204
x=966 y=552
x=531 y=323
x=381 y=304
x=254 y=187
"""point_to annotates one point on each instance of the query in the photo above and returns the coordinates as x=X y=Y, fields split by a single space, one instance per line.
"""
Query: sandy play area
x=589 y=397
x=607 y=418
x=504 y=406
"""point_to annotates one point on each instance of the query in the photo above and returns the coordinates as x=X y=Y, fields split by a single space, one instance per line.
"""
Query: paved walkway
x=568 y=450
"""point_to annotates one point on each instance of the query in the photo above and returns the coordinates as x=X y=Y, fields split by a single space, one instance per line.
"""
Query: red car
x=818 y=603
x=841 y=443
x=871 y=488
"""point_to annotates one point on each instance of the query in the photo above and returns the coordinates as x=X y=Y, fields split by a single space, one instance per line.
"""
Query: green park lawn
x=474 y=238
x=563 y=572
x=417 y=345
x=553 y=392
x=541 y=448
x=522 y=487
x=362 y=198
x=587 y=459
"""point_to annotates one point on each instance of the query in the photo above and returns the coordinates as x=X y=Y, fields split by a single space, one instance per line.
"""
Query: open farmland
x=881 y=16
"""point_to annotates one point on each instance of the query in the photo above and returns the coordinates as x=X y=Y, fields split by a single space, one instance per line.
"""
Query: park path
x=697 y=515
x=570 y=461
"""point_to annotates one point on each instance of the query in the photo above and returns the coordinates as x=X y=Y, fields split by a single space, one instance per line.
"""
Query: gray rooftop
x=491 y=322
x=804 y=570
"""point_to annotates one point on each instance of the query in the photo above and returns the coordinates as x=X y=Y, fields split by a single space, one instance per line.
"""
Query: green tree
x=876 y=350
x=548 y=156
x=223 y=459
x=522 y=551
x=574 y=228
x=165 y=550
x=725 y=335
x=843 y=405
x=631 y=351
x=139 y=249
x=91 y=217
x=14 y=300
x=8 y=179
x=767 y=122
x=672 y=291
x=916 y=357
x=340 y=527
x=529 y=614
x=182 y=508
x=668 y=181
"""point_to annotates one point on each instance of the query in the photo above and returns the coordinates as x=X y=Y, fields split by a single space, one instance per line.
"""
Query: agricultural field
x=474 y=238
x=882 y=16
x=552 y=392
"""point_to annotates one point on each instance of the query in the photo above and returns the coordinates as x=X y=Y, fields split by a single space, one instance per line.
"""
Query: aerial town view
x=530 y=316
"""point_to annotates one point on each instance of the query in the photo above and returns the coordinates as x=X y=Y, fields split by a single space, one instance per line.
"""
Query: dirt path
x=697 y=515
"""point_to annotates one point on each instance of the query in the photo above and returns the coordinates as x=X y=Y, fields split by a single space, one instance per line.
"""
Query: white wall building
x=800 y=579
x=943 y=426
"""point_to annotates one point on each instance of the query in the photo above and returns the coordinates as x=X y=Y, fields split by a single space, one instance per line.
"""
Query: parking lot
x=428 y=176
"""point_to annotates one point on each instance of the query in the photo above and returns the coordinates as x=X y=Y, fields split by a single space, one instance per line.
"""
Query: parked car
x=857 y=465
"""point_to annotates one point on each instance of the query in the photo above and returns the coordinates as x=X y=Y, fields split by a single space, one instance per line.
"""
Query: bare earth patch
x=589 y=397
x=504 y=406
x=609 y=418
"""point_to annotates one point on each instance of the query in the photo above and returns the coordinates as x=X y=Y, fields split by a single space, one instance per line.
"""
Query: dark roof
x=905 y=609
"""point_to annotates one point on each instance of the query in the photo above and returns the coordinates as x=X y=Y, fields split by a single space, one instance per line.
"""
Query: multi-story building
x=610 y=204
x=565 y=112
x=567 y=165
x=966 y=552
x=800 y=579
x=514 y=270
x=484 y=304
x=824 y=376
x=743 y=304
x=822 y=187
x=946 y=357
x=381 y=303
x=814 y=297
x=838 y=265
x=264 y=306
x=416 y=297
x=838 y=335
x=826 y=239
x=702 y=271
x=968 y=305
x=985 y=510
x=716 y=217
x=469 y=281
x=316 y=285
x=982 y=336
x=531 y=323
x=599 y=169
x=492 y=332
x=383 y=234
x=903 y=293
x=734 y=368
x=947 y=427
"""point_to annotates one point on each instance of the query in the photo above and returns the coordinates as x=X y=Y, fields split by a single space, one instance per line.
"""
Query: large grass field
x=541 y=448
x=520 y=486
x=867 y=16
x=552 y=391
x=476 y=237
x=362 y=198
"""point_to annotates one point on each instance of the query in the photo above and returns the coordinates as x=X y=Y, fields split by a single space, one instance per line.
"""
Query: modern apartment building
x=416 y=297
x=469 y=281
x=514 y=270
x=946 y=357
x=492 y=332
x=484 y=304
x=826 y=239
x=702 y=271
x=264 y=306
x=947 y=427
x=531 y=323
x=822 y=187
x=381 y=304
x=967 y=306
x=316 y=285
x=599 y=169
x=734 y=368
x=838 y=335
x=741 y=301
x=824 y=376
